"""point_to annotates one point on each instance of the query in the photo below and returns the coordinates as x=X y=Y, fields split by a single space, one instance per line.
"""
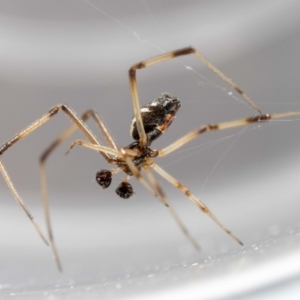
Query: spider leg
x=158 y=193
x=196 y=201
x=161 y=194
x=23 y=134
x=168 y=56
x=221 y=126
x=81 y=125
x=100 y=148
x=88 y=114
x=21 y=203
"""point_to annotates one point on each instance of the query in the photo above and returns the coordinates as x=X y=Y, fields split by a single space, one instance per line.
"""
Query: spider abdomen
x=157 y=116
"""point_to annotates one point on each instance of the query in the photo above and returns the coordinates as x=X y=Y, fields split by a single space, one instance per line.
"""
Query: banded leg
x=23 y=134
x=162 y=195
x=100 y=148
x=21 y=202
x=88 y=114
x=168 y=56
x=194 y=199
x=221 y=126
x=158 y=193
x=81 y=125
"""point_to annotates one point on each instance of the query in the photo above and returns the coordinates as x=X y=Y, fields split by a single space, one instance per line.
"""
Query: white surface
x=76 y=53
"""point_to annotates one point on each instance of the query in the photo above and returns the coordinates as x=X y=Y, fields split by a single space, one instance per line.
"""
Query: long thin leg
x=196 y=201
x=99 y=148
x=23 y=134
x=162 y=195
x=72 y=115
x=90 y=113
x=80 y=124
x=51 y=148
x=168 y=56
x=158 y=192
x=221 y=126
x=21 y=203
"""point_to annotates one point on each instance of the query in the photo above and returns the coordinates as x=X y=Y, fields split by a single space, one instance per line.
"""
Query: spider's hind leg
x=194 y=199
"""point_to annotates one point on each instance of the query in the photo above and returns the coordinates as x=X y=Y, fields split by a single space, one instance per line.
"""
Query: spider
x=136 y=159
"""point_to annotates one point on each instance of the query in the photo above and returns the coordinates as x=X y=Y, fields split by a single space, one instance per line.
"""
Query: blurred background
x=78 y=53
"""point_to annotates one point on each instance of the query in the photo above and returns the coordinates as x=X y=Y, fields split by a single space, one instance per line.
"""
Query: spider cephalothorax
x=157 y=116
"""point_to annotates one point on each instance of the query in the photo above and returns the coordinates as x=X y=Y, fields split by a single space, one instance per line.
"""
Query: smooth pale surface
x=76 y=53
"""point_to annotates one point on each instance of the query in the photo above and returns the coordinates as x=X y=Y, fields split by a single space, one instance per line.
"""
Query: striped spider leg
x=78 y=123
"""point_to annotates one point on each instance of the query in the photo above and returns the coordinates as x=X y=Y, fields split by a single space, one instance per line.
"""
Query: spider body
x=157 y=116
x=137 y=159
